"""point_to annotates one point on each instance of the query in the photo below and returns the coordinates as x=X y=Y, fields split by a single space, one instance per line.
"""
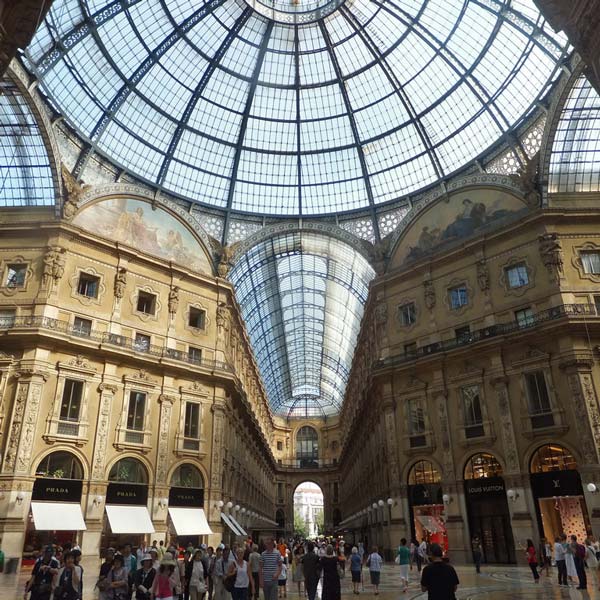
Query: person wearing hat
x=102 y=583
x=153 y=552
x=44 y=570
x=144 y=578
x=163 y=586
x=176 y=574
x=439 y=579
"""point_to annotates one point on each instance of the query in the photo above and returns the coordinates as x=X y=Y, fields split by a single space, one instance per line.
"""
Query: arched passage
x=309 y=515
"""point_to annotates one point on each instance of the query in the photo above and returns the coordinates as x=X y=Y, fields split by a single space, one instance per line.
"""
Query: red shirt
x=531 y=555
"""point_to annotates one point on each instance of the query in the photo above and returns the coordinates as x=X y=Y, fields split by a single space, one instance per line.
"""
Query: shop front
x=55 y=515
x=487 y=509
x=558 y=493
x=426 y=505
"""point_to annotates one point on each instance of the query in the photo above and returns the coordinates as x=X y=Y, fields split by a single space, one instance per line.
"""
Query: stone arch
x=470 y=452
x=410 y=465
x=472 y=455
x=539 y=444
x=85 y=467
x=196 y=465
x=141 y=459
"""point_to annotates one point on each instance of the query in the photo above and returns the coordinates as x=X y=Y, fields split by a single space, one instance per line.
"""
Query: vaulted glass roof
x=294 y=107
x=302 y=296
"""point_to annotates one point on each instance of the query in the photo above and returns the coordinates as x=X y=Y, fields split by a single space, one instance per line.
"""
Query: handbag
x=340 y=571
x=397 y=560
x=229 y=580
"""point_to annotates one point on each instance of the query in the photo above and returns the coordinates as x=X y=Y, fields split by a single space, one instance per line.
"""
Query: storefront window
x=552 y=458
x=60 y=465
x=423 y=472
x=482 y=465
x=128 y=470
x=187 y=476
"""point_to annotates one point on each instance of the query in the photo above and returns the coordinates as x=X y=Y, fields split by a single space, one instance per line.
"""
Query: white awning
x=189 y=521
x=238 y=526
x=58 y=516
x=228 y=520
x=129 y=519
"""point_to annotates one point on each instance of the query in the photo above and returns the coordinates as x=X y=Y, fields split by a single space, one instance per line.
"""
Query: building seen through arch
x=308 y=510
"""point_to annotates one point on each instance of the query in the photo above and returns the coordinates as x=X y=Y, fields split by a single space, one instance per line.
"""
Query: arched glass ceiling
x=25 y=174
x=294 y=107
x=575 y=158
x=302 y=297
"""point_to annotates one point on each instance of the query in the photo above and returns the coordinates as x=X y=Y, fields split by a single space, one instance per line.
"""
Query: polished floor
x=494 y=583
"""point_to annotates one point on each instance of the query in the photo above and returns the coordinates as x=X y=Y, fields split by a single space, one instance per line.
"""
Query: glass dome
x=294 y=107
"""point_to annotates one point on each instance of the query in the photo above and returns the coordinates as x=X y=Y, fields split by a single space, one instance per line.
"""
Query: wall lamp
x=592 y=488
x=390 y=502
x=229 y=504
x=97 y=501
x=20 y=497
x=219 y=503
x=163 y=502
x=447 y=499
x=381 y=503
x=236 y=507
x=512 y=495
x=374 y=505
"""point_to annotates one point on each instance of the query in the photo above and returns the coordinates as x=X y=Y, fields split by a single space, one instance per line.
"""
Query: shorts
x=404 y=572
x=355 y=576
x=281 y=582
x=375 y=575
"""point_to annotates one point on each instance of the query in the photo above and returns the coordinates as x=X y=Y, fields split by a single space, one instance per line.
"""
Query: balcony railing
x=304 y=463
x=556 y=312
x=109 y=339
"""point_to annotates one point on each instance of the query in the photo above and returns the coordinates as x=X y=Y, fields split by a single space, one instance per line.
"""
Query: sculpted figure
x=173 y=300
x=120 y=282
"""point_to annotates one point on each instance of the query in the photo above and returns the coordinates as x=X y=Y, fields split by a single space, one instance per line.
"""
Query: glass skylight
x=294 y=107
x=302 y=297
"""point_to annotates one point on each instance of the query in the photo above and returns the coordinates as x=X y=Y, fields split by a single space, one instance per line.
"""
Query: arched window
x=552 y=457
x=423 y=472
x=187 y=476
x=60 y=465
x=482 y=465
x=129 y=470
x=307 y=447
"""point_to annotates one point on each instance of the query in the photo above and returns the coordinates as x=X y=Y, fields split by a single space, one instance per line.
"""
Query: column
x=216 y=467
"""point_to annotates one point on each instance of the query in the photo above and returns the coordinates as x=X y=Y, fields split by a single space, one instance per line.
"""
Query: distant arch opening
x=307 y=447
x=309 y=510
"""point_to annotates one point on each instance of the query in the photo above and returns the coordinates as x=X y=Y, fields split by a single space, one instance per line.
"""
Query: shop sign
x=57 y=490
x=191 y=497
x=423 y=494
x=556 y=483
x=486 y=486
x=127 y=493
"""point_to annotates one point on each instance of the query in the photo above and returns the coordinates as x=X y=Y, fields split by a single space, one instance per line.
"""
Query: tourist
x=532 y=560
x=559 y=558
x=105 y=567
x=298 y=574
x=282 y=547
x=439 y=579
x=44 y=570
x=331 y=578
x=545 y=556
x=129 y=560
x=569 y=559
x=68 y=579
x=355 y=569
x=196 y=576
x=271 y=562
x=182 y=566
x=591 y=561
x=477 y=553
x=579 y=552
x=222 y=566
x=282 y=581
x=243 y=577
x=422 y=554
x=164 y=582
x=311 y=569
x=161 y=549
x=210 y=568
x=404 y=562
x=374 y=563
x=118 y=583
x=254 y=560
x=144 y=578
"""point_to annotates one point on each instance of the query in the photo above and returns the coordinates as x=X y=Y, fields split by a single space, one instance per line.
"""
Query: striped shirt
x=270 y=561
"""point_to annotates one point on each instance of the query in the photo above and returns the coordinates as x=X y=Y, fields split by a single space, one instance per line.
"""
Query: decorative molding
x=186 y=316
x=162 y=456
x=507 y=432
x=455 y=283
x=503 y=279
x=133 y=299
x=398 y=314
x=15 y=260
x=141 y=378
x=483 y=275
x=74 y=284
x=576 y=260
x=107 y=392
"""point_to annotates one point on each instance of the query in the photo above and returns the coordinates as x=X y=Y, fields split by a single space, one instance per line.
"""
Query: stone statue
x=173 y=300
x=550 y=250
x=54 y=264
x=120 y=282
x=378 y=253
x=381 y=313
x=483 y=275
x=223 y=317
x=73 y=193
x=429 y=294
x=224 y=256
x=527 y=179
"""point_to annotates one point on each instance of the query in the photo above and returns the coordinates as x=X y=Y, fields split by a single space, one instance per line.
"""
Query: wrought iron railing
x=303 y=463
x=550 y=314
x=109 y=339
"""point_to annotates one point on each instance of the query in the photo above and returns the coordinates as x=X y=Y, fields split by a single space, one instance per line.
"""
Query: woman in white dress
x=569 y=560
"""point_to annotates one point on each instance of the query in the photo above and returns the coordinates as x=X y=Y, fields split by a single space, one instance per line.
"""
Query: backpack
x=580 y=550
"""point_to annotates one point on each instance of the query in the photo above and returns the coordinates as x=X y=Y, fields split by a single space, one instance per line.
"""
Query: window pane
x=71 y=400
x=135 y=416
x=517 y=276
x=591 y=262
x=192 y=417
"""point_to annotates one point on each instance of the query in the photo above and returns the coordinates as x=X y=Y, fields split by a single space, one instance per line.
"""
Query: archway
x=308 y=510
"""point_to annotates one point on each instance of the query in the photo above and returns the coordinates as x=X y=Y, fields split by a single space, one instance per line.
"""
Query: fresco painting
x=449 y=222
x=157 y=232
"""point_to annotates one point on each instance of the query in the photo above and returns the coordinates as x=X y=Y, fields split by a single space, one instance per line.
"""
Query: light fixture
x=390 y=501
x=374 y=505
x=229 y=504
x=380 y=502
x=236 y=507
x=512 y=495
x=242 y=510
x=163 y=502
x=592 y=488
x=20 y=497
x=447 y=499
x=97 y=501
x=220 y=503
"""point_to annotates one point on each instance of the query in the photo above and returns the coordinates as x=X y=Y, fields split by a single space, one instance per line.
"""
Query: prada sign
x=188 y=497
x=487 y=486
x=57 y=490
x=127 y=493
x=556 y=483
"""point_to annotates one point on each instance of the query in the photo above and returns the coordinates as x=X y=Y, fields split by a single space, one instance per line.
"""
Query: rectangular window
x=135 y=414
x=71 y=400
x=591 y=262
x=463 y=334
x=146 y=303
x=416 y=418
x=195 y=354
x=7 y=318
x=517 y=276
x=82 y=327
x=597 y=305
x=524 y=317
x=280 y=446
x=408 y=314
x=15 y=276
x=459 y=296
x=538 y=400
x=192 y=420
x=142 y=342
x=471 y=404
x=88 y=285
x=410 y=349
x=197 y=318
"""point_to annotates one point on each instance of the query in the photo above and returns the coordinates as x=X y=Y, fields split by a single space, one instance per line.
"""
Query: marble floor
x=494 y=583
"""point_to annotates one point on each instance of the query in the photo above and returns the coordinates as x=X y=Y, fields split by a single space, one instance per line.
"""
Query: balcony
x=313 y=464
x=106 y=339
x=551 y=314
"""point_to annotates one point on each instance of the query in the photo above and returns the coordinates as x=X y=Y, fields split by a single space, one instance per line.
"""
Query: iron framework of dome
x=294 y=107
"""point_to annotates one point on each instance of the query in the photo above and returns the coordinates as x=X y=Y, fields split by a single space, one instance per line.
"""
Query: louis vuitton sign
x=556 y=483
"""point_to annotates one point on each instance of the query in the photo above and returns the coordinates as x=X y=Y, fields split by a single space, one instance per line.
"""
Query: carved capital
x=576 y=364
x=30 y=374
x=108 y=388
x=166 y=399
